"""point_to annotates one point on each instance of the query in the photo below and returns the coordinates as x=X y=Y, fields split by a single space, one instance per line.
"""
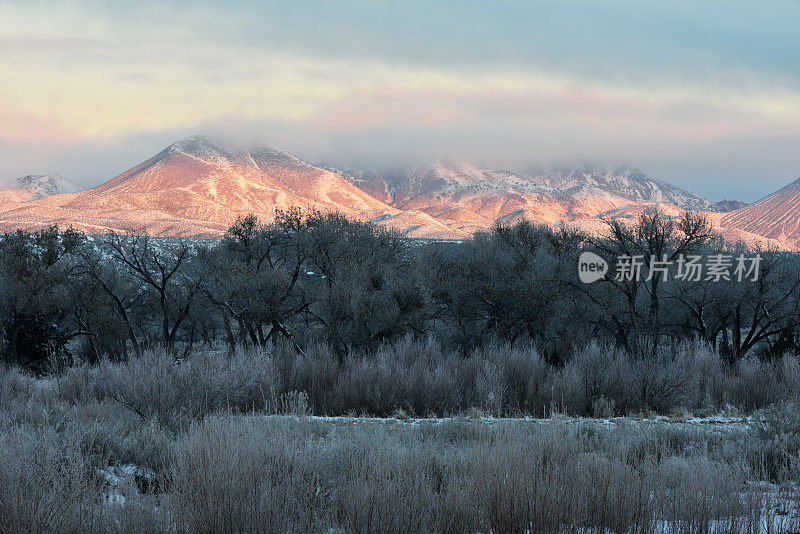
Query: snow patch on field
x=120 y=480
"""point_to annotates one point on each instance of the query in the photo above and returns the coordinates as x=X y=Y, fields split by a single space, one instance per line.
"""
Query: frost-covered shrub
x=46 y=482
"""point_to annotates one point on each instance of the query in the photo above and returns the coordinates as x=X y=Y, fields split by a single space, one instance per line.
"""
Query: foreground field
x=77 y=459
x=407 y=439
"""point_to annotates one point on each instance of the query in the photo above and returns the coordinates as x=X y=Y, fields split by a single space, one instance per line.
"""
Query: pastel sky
x=704 y=94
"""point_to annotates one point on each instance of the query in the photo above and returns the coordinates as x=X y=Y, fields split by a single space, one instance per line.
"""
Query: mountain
x=34 y=186
x=776 y=216
x=624 y=182
x=471 y=198
x=724 y=206
x=444 y=175
x=197 y=188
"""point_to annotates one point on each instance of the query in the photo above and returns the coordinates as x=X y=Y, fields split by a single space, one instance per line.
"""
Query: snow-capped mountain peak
x=625 y=181
x=257 y=156
x=34 y=186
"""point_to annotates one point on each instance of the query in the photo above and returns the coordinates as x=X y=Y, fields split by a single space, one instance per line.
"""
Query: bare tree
x=165 y=271
x=655 y=238
x=125 y=293
x=254 y=277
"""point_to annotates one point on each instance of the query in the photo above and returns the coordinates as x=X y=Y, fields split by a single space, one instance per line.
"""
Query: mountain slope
x=197 y=188
x=470 y=198
x=445 y=175
x=776 y=216
x=725 y=205
x=34 y=186
x=625 y=182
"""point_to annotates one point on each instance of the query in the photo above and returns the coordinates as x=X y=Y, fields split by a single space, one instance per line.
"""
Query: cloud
x=21 y=127
x=644 y=43
x=90 y=88
x=36 y=43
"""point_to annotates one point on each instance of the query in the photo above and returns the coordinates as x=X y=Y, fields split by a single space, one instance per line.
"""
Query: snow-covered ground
x=726 y=423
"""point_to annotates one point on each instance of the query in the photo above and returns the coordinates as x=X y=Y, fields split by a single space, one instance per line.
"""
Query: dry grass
x=46 y=483
x=419 y=378
x=281 y=474
x=220 y=462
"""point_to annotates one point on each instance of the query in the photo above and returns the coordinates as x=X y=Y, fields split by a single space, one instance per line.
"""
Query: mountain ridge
x=35 y=186
x=196 y=187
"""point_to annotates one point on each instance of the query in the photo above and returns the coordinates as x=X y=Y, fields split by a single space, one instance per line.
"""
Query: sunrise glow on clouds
x=707 y=93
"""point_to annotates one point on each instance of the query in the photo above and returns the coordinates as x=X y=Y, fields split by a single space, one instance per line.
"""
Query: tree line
x=312 y=277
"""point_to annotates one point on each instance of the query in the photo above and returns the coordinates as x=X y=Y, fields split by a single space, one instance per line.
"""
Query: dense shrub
x=46 y=482
x=420 y=378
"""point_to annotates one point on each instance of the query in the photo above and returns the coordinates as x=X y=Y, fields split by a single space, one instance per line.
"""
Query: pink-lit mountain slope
x=34 y=186
x=471 y=198
x=197 y=188
x=776 y=216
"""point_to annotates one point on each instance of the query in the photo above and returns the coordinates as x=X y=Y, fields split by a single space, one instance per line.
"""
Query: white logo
x=591 y=267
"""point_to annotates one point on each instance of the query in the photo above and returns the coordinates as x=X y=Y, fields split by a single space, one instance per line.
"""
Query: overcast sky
x=705 y=95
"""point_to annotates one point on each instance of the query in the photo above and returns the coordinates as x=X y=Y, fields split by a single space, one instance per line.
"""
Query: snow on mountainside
x=725 y=205
x=35 y=186
x=626 y=182
x=471 y=198
x=444 y=176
